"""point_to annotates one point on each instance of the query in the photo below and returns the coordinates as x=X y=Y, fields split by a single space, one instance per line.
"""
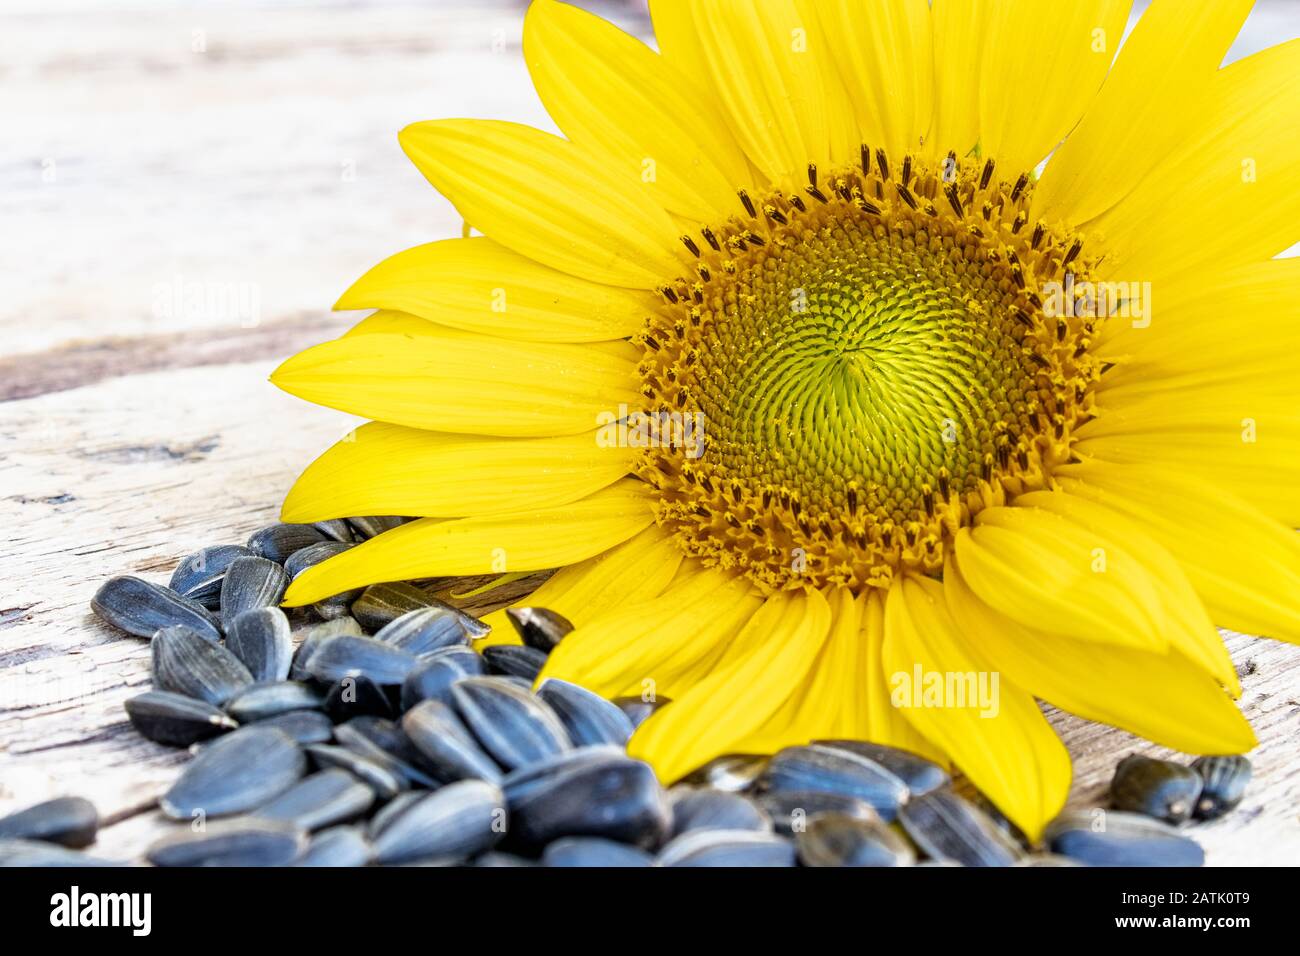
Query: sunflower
x=811 y=380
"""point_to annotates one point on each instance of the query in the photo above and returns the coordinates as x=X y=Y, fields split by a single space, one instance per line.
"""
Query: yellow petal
x=846 y=695
x=1264 y=474
x=827 y=704
x=765 y=663
x=392 y=322
x=548 y=199
x=390 y=469
x=458 y=382
x=1040 y=70
x=1244 y=565
x=1007 y=749
x=612 y=94
x=655 y=647
x=1163 y=697
x=960 y=32
x=765 y=71
x=885 y=722
x=530 y=540
x=1187 y=623
x=1186 y=331
x=1226 y=195
x=636 y=570
x=1142 y=111
x=1232 y=436
x=481 y=286
x=1035 y=566
x=886 y=64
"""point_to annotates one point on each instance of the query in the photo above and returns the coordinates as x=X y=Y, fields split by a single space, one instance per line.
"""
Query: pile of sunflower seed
x=376 y=735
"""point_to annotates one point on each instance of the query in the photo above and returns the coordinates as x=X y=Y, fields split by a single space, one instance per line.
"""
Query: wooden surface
x=135 y=429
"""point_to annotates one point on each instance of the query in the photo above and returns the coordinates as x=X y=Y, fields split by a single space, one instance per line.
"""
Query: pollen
x=874 y=364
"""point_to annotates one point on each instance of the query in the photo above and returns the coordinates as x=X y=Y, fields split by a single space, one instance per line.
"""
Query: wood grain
x=132 y=433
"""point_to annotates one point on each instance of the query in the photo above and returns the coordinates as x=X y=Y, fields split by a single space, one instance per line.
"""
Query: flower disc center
x=873 y=365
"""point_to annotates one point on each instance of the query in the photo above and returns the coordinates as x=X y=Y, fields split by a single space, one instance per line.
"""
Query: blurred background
x=233 y=165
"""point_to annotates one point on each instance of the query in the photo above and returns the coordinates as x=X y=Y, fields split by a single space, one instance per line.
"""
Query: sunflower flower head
x=809 y=385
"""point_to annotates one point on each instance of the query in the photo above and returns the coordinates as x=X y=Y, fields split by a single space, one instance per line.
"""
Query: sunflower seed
x=637 y=709
x=1047 y=859
x=176 y=720
x=511 y=724
x=38 y=853
x=593 y=851
x=1224 y=784
x=183 y=662
x=835 y=771
x=339 y=846
x=279 y=541
x=383 y=742
x=246 y=842
x=338 y=606
x=424 y=630
x=732 y=773
x=837 y=839
x=198 y=576
x=454 y=823
x=447 y=744
x=539 y=627
x=1116 y=838
x=791 y=810
x=1158 y=788
x=589 y=718
x=260 y=701
x=724 y=848
x=949 y=828
x=251 y=583
x=336 y=529
x=68 y=821
x=347 y=656
x=385 y=782
x=514 y=660
x=373 y=525
x=618 y=800
x=260 y=638
x=311 y=638
x=920 y=775
x=432 y=680
x=523 y=783
x=381 y=604
x=320 y=800
x=357 y=697
x=141 y=608
x=495 y=859
x=235 y=773
x=384 y=734
x=1000 y=820
x=390 y=811
x=699 y=808
x=304 y=726
x=312 y=555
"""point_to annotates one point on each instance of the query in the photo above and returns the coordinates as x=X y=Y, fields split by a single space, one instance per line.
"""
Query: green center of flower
x=873 y=365
x=848 y=357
